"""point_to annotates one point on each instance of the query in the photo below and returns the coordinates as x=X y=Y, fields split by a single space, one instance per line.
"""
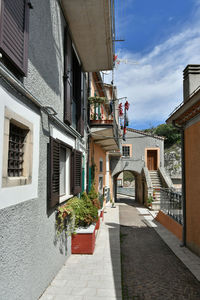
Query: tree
x=171 y=134
x=128 y=176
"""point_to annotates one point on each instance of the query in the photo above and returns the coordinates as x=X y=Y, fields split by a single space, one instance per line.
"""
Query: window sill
x=15 y=181
x=64 y=198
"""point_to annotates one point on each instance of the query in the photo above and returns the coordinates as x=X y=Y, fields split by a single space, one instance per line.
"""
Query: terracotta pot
x=83 y=242
x=97 y=224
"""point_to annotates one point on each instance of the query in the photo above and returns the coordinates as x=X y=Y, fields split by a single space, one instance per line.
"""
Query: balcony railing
x=99 y=115
x=171 y=204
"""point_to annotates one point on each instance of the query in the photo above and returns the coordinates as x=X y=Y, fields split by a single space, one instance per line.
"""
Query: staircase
x=157 y=184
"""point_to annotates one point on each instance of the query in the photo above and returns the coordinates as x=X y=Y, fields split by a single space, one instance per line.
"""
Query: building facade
x=143 y=155
x=187 y=118
x=103 y=137
x=46 y=55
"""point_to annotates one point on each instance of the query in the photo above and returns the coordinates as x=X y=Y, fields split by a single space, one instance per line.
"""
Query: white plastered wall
x=14 y=195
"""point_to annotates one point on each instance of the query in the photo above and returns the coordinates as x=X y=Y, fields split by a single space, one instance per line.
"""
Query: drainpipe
x=183 y=244
x=88 y=142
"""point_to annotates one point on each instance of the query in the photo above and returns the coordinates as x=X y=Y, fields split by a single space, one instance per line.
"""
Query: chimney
x=191 y=80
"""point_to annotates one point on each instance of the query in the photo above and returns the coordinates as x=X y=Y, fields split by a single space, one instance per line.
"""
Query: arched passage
x=137 y=186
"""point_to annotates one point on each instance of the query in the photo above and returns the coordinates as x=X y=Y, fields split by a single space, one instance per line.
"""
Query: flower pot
x=97 y=224
x=102 y=214
x=83 y=242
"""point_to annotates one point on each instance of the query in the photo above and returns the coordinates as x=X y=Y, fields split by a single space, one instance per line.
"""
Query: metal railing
x=171 y=204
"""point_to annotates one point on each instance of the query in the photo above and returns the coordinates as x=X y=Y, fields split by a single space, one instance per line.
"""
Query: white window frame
x=67 y=194
x=20 y=193
x=56 y=134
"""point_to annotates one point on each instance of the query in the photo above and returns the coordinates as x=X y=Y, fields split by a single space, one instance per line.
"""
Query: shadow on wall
x=43 y=48
x=63 y=242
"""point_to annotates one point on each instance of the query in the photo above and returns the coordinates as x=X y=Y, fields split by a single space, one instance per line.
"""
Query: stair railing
x=171 y=204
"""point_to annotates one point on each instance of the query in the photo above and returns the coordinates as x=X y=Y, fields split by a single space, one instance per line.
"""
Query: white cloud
x=154 y=85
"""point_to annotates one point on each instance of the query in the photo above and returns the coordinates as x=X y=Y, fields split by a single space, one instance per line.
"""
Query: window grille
x=16 y=150
x=126 y=151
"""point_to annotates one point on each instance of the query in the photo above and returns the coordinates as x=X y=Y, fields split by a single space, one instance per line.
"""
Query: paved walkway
x=150 y=270
x=92 y=277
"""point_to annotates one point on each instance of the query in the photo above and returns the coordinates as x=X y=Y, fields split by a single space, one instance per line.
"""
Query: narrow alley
x=150 y=270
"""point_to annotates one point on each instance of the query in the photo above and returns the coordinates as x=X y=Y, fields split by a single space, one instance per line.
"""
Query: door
x=152 y=159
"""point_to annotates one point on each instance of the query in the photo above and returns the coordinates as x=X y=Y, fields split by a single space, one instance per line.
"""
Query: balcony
x=103 y=126
x=91 y=24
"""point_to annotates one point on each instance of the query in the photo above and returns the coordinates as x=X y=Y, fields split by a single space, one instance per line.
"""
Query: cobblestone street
x=150 y=270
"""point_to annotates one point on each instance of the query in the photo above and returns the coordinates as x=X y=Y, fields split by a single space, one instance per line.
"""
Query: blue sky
x=161 y=38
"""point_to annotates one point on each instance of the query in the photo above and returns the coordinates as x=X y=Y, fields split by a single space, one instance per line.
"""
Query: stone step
x=155 y=205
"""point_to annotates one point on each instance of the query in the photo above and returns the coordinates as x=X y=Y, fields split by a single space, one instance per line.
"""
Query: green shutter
x=90 y=179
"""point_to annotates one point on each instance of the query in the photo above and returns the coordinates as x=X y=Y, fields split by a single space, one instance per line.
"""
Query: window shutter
x=14 y=21
x=55 y=172
x=80 y=115
x=72 y=173
x=68 y=78
x=77 y=172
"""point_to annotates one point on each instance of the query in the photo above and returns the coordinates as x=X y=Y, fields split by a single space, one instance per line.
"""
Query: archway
x=133 y=191
x=126 y=184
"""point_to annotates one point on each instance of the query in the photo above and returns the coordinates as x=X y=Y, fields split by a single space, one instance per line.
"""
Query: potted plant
x=84 y=215
x=149 y=201
x=94 y=197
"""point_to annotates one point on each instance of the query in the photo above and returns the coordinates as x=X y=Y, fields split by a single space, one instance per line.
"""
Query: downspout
x=181 y=129
x=88 y=143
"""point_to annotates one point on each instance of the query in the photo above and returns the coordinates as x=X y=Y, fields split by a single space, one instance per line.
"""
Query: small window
x=126 y=151
x=18 y=150
x=17 y=138
x=101 y=165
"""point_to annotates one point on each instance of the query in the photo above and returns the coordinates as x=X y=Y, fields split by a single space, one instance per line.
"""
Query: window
x=126 y=151
x=74 y=83
x=17 y=138
x=101 y=165
x=66 y=172
x=101 y=184
x=14 y=17
x=18 y=150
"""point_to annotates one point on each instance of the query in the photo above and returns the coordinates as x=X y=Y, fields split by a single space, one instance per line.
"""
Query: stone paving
x=92 y=277
x=150 y=270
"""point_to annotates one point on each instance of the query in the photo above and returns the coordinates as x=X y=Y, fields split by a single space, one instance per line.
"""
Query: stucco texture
x=31 y=254
x=192 y=167
x=136 y=162
x=98 y=153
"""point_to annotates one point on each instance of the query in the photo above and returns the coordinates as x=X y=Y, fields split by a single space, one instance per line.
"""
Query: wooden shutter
x=77 y=172
x=80 y=110
x=68 y=78
x=72 y=173
x=14 y=21
x=55 y=172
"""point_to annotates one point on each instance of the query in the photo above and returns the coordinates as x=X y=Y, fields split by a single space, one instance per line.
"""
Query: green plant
x=75 y=213
x=97 y=99
x=92 y=193
x=150 y=200
x=94 y=196
x=84 y=196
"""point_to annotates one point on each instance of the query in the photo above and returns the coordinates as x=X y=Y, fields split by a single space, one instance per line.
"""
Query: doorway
x=152 y=158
